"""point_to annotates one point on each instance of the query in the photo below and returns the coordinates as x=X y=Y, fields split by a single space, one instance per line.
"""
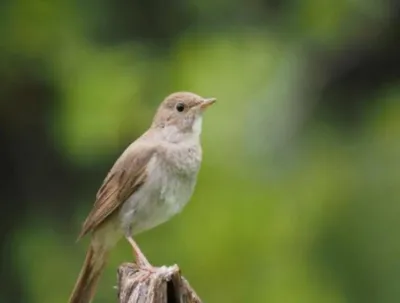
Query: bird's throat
x=197 y=126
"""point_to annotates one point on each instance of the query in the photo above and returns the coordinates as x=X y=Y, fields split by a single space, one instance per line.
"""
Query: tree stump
x=166 y=285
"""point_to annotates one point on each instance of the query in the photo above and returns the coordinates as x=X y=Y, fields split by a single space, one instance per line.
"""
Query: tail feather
x=92 y=268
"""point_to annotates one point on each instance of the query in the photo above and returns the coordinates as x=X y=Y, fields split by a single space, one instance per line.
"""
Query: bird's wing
x=126 y=176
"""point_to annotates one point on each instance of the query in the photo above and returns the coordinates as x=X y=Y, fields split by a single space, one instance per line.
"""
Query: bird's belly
x=156 y=202
x=170 y=202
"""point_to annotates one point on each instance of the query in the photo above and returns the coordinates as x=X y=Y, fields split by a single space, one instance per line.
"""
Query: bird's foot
x=141 y=260
x=146 y=271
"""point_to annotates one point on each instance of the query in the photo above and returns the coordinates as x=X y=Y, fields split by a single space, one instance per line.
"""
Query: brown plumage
x=132 y=194
x=88 y=278
x=125 y=177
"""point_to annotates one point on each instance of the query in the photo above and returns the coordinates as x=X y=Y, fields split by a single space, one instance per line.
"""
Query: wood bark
x=165 y=285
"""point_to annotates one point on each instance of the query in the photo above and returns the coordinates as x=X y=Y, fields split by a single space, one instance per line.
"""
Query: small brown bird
x=151 y=181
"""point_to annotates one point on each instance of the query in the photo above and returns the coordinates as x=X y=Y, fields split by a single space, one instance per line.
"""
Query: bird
x=151 y=181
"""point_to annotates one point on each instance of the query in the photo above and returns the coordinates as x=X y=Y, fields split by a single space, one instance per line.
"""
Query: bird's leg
x=141 y=260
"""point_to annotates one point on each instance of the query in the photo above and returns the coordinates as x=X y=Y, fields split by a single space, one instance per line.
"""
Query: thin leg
x=141 y=260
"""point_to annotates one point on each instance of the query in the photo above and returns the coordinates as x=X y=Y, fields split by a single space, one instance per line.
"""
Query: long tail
x=90 y=273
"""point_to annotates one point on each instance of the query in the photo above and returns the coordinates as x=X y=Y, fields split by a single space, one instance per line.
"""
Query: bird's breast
x=169 y=186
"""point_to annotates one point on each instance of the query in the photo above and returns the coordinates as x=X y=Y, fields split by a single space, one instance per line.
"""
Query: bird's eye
x=180 y=107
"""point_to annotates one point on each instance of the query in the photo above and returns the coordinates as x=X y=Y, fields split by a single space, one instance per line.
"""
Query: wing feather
x=126 y=176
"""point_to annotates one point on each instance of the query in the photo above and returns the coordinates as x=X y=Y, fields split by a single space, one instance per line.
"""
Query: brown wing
x=127 y=176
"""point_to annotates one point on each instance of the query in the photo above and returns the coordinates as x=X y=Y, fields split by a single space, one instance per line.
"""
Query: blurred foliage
x=298 y=195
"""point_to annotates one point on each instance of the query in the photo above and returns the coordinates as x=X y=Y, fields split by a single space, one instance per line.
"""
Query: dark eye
x=180 y=107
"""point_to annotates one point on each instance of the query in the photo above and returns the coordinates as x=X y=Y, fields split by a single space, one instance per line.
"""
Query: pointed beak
x=207 y=102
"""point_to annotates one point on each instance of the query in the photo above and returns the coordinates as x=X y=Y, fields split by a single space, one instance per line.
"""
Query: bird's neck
x=197 y=126
x=172 y=134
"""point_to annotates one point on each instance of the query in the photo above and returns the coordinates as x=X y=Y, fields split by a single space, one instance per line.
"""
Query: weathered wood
x=166 y=285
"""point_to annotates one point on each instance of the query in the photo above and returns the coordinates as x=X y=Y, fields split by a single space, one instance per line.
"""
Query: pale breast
x=169 y=186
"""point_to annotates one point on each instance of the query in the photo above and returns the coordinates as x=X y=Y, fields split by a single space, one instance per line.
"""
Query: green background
x=298 y=195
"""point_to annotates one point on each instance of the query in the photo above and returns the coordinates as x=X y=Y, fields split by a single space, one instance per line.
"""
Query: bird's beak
x=207 y=102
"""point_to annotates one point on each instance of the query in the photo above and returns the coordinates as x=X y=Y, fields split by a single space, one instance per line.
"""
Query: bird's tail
x=92 y=268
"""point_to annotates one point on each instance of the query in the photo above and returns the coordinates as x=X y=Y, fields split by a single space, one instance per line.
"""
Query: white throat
x=197 y=125
x=172 y=134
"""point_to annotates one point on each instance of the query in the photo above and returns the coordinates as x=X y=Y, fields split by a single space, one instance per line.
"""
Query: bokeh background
x=298 y=196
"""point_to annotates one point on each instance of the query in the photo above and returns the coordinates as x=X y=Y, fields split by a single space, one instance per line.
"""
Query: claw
x=149 y=271
x=141 y=260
